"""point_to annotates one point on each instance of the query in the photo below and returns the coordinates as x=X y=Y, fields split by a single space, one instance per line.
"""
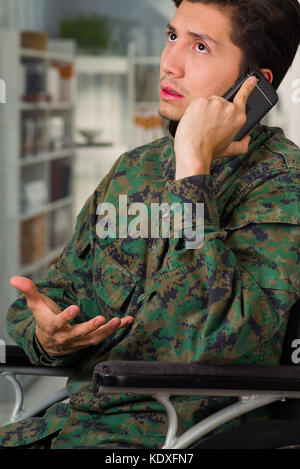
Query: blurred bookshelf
x=130 y=88
x=117 y=110
x=43 y=149
x=37 y=157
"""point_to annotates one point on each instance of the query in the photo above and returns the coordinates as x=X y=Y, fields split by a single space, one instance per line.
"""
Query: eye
x=169 y=34
x=203 y=45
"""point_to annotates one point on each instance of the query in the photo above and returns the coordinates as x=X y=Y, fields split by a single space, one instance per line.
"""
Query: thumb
x=34 y=299
x=26 y=286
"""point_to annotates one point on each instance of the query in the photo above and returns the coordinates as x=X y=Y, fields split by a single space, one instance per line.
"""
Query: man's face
x=195 y=67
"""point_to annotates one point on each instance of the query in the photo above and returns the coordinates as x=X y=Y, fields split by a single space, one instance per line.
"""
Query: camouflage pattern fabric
x=226 y=302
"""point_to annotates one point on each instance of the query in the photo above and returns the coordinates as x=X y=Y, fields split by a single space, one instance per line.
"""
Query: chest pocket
x=112 y=283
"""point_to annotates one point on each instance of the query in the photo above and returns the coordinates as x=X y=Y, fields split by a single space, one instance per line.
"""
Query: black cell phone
x=262 y=99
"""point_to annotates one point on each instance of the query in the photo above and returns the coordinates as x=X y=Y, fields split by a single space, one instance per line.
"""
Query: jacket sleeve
x=228 y=300
x=57 y=284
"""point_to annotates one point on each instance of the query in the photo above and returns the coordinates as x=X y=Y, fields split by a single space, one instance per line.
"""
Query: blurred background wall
x=45 y=15
x=70 y=113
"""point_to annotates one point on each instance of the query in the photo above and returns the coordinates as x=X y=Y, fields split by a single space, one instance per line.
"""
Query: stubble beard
x=168 y=115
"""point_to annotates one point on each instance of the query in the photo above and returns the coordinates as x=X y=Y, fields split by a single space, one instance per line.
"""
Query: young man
x=152 y=298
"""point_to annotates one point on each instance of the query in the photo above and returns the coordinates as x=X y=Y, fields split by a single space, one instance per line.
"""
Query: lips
x=168 y=93
x=170 y=90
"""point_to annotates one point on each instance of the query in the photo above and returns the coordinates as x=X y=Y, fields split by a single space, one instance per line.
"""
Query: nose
x=172 y=62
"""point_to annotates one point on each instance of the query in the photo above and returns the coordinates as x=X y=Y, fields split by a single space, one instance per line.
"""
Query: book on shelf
x=60 y=180
x=33 y=240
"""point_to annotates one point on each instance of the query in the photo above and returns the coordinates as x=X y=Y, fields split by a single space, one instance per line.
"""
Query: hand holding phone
x=262 y=99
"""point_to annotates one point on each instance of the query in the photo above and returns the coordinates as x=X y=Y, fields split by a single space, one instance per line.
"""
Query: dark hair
x=267 y=32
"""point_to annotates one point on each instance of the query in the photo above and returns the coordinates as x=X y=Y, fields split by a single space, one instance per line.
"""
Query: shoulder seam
x=155 y=144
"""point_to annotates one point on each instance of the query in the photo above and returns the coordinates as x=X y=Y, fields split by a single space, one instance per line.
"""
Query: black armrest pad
x=15 y=356
x=196 y=376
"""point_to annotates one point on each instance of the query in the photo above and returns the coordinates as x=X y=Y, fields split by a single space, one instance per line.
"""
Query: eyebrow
x=201 y=36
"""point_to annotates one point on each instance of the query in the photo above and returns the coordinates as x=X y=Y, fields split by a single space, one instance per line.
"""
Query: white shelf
x=45 y=157
x=46 y=55
x=50 y=207
x=93 y=65
x=46 y=106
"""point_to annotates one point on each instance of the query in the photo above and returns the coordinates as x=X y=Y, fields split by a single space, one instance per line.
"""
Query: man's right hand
x=53 y=331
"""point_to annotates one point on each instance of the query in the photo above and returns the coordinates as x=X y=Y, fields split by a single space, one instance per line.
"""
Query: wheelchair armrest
x=254 y=385
x=180 y=377
x=15 y=356
x=17 y=362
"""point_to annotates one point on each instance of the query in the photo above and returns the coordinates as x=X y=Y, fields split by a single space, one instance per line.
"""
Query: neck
x=173 y=127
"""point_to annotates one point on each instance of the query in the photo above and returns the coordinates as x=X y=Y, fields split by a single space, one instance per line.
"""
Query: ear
x=268 y=74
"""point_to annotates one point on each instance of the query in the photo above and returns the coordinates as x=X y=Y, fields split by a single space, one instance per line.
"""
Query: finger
x=237 y=148
x=82 y=330
x=113 y=325
x=92 y=332
x=242 y=96
x=126 y=321
x=117 y=323
x=94 y=337
x=108 y=328
x=217 y=98
x=66 y=338
x=82 y=336
x=62 y=319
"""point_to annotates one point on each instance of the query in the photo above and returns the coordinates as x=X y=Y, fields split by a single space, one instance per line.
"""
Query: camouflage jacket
x=225 y=302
